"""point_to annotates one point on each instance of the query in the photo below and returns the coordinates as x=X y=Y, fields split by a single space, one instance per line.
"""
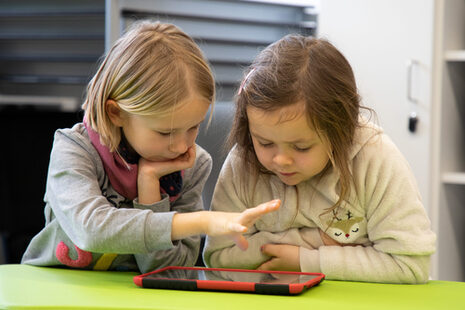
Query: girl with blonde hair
x=123 y=185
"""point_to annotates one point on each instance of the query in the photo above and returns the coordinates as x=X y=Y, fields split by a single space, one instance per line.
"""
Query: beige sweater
x=384 y=224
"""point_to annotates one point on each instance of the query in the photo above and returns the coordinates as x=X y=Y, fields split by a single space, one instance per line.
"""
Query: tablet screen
x=235 y=276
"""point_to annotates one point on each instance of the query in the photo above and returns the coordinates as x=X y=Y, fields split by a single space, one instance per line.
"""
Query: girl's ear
x=114 y=112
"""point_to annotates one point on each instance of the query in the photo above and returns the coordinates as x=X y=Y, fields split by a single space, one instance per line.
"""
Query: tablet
x=236 y=280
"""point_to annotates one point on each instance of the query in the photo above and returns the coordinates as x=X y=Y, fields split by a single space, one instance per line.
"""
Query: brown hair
x=150 y=69
x=302 y=69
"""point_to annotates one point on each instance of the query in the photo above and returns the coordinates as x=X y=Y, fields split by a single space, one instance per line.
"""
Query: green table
x=28 y=287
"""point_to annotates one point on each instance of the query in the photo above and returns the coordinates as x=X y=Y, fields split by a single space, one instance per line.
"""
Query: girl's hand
x=149 y=173
x=215 y=223
x=235 y=224
x=157 y=169
x=285 y=257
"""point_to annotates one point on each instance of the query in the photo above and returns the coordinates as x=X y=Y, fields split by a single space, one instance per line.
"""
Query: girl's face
x=162 y=138
x=288 y=147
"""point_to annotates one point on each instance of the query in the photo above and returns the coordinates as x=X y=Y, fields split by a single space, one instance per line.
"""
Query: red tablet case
x=215 y=285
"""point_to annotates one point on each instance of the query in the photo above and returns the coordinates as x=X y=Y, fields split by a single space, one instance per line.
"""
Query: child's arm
x=150 y=172
x=188 y=206
x=219 y=223
x=187 y=226
x=162 y=251
x=222 y=252
x=400 y=237
x=287 y=256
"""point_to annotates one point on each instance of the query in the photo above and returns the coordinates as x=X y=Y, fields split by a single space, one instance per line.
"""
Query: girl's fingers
x=189 y=155
x=251 y=215
x=191 y=151
x=237 y=228
x=270 y=249
x=241 y=242
x=266 y=265
x=236 y=224
x=184 y=161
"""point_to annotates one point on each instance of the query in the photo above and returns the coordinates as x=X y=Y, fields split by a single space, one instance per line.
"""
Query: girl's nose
x=281 y=159
x=179 y=145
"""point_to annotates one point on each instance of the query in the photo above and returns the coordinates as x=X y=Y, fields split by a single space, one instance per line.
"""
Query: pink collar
x=123 y=175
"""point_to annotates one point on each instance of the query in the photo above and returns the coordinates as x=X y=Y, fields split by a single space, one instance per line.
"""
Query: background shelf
x=455 y=55
x=453 y=178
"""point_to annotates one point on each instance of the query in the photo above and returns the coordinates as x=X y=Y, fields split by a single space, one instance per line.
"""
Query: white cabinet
x=448 y=194
x=409 y=56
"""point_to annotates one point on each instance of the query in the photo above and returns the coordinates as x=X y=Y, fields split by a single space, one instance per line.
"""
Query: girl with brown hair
x=350 y=204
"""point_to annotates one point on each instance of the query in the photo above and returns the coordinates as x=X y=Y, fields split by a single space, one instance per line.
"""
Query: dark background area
x=27 y=137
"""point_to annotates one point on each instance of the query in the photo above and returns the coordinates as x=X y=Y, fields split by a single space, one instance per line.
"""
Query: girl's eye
x=302 y=149
x=195 y=127
x=164 y=134
x=266 y=144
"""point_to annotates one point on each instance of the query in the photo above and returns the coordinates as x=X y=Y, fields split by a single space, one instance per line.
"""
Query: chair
x=212 y=139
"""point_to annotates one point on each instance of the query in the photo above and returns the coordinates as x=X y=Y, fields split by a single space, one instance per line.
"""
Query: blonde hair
x=149 y=70
x=302 y=69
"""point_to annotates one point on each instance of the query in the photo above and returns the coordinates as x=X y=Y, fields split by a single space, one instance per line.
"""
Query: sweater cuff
x=309 y=260
x=160 y=206
x=158 y=231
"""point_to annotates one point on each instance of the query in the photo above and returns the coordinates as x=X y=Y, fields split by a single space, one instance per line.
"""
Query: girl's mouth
x=287 y=174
